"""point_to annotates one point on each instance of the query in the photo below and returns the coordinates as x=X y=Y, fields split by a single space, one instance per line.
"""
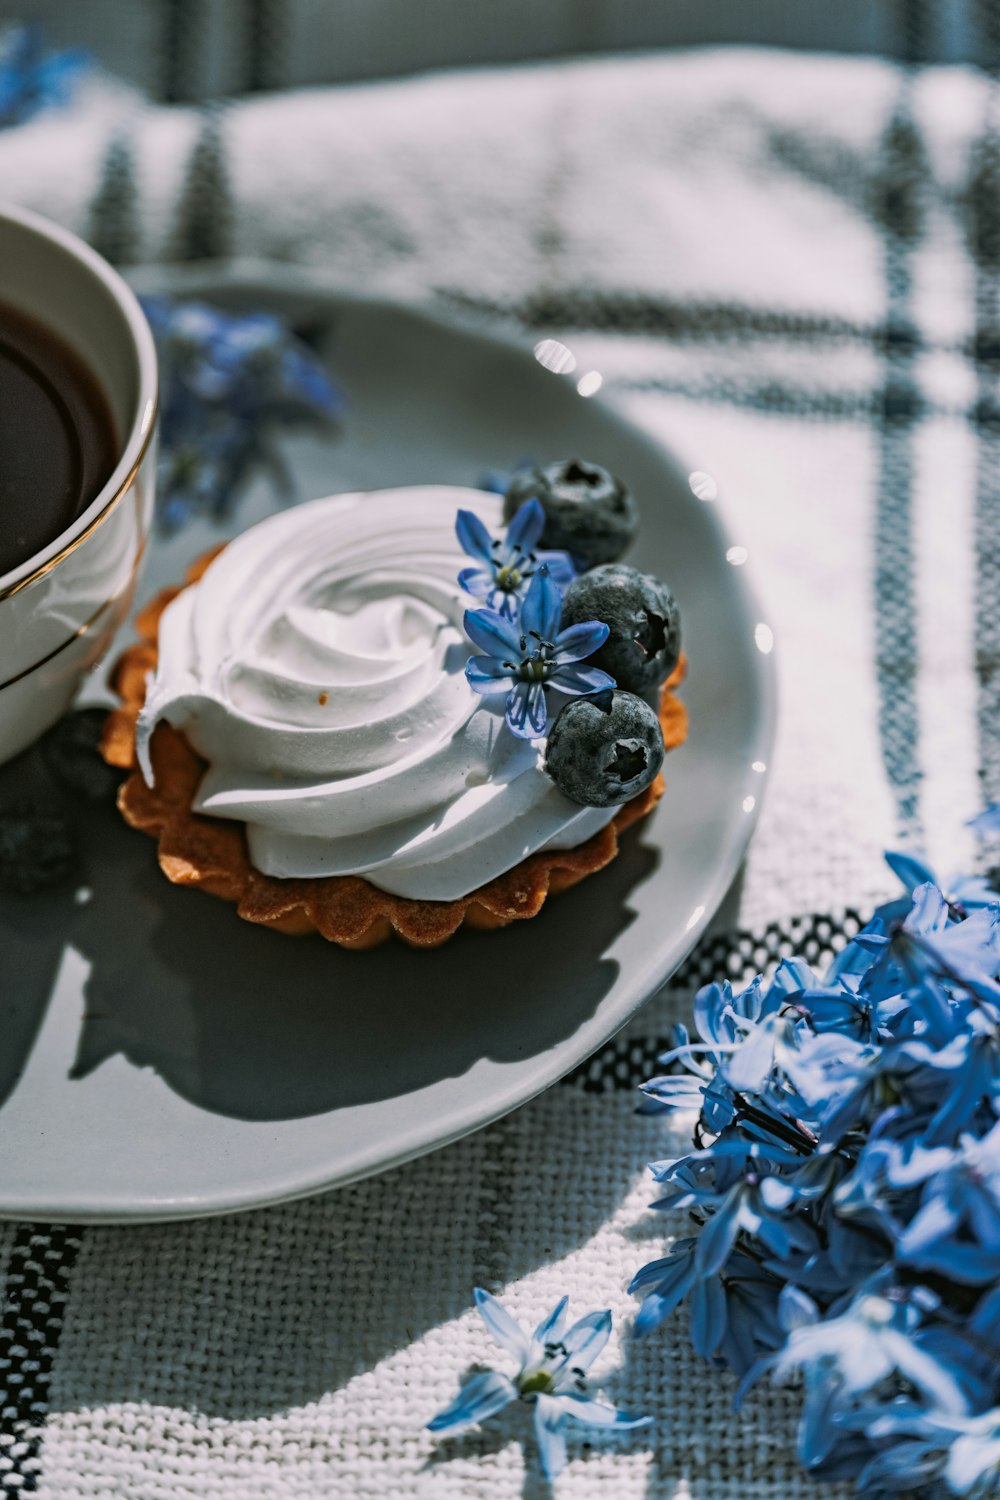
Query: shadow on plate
x=259 y=1027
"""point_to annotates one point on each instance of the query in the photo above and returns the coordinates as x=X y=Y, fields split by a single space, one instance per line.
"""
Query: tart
x=302 y=741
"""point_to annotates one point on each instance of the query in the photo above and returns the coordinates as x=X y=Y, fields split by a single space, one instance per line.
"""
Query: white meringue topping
x=318 y=666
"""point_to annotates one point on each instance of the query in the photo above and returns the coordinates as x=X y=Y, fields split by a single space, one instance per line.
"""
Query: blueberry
x=605 y=750
x=642 y=616
x=588 y=512
x=71 y=754
x=36 y=847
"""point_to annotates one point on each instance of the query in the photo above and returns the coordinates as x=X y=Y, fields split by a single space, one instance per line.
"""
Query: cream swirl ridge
x=318 y=666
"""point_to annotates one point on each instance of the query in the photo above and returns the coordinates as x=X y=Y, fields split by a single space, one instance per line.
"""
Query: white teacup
x=60 y=608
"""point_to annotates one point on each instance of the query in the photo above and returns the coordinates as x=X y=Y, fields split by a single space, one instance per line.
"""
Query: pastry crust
x=211 y=853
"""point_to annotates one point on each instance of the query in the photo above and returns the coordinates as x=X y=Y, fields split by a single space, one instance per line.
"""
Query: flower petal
x=493 y=634
x=597 y=1414
x=473 y=536
x=537 y=708
x=542 y=607
x=969 y=1460
x=505 y=1330
x=560 y=565
x=550 y=1422
x=526 y=710
x=776 y=1194
x=796 y=1309
x=718 y=1236
x=673 y=1276
x=585 y=1340
x=476 y=581
x=578 y=641
x=478 y=1399
x=929 y=914
x=516 y=711
x=526 y=527
x=909 y=868
x=708 y=1316
x=485 y=674
x=818 y=1430
x=986 y=823
x=935 y=1221
x=576 y=679
x=549 y=1327
x=929 y=1375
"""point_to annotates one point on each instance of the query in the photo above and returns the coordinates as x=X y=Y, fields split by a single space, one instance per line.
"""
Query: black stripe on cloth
x=982 y=207
x=582 y=310
x=987 y=24
x=588 y=310
x=494 y=1206
x=264 y=33
x=896 y=204
x=205 y=212
x=738 y=955
x=778 y=398
x=113 y=227
x=38 y=1273
x=984 y=204
x=180 y=49
x=917 y=24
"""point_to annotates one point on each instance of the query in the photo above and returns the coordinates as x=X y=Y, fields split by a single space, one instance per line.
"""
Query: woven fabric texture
x=789 y=269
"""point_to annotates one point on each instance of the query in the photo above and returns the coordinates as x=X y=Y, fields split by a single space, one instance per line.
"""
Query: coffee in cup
x=77 y=423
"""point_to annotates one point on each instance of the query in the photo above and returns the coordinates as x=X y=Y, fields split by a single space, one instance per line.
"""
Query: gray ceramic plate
x=162 y=1059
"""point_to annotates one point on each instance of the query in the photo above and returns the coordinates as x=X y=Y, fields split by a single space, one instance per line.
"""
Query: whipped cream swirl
x=318 y=666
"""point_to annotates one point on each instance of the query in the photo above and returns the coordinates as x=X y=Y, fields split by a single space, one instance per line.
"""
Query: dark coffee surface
x=57 y=437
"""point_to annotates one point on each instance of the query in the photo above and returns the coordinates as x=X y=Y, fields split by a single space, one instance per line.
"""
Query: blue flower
x=752 y=1327
x=31 y=79
x=737 y=1186
x=198 y=476
x=248 y=363
x=962 y=1450
x=665 y=1282
x=839 y=1081
x=873 y=1339
x=227 y=383
x=973 y=1464
x=738 y=1182
x=937 y=946
x=551 y=1378
x=842 y=1358
x=526 y=657
x=732 y=1312
x=724 y=1022
x=986 y=825
x=964 y=892
x=966 y=953
x=956 y=1229
x=506 y=567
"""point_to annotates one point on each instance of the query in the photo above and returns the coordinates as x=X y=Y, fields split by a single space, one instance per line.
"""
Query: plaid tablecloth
x=788 y=268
